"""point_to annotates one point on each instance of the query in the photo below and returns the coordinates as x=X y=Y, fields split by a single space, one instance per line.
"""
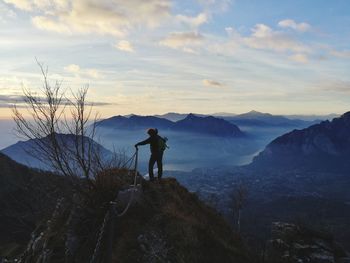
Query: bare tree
x=62 y=129
x=237 y=201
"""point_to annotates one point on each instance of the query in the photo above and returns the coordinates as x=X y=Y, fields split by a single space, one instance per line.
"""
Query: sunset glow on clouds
x=202 y=56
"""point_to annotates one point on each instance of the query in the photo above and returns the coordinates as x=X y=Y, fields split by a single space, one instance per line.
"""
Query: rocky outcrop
x=297 y=244
x=165 y=223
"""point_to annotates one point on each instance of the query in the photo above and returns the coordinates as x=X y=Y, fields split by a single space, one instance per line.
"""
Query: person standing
x=157 y=146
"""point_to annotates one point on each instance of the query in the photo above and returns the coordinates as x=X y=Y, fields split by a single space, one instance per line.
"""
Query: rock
x=125 y=195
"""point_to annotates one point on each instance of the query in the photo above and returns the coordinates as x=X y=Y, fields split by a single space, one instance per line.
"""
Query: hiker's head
x=152 y=132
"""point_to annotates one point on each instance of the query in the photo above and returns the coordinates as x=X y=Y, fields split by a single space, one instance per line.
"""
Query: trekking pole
x=136 y=163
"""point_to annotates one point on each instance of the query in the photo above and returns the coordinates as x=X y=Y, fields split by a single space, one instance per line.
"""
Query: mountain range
x=255 y=118
x=323 y=146
x=301 y=176
x=258 y=119
x=208 y=125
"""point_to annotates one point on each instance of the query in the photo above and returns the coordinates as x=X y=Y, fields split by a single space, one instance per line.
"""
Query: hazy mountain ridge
x=210 y=125
x=301 y=175
x=320 y=146
x=25 y=152
x=257 y=119
x=134 y=122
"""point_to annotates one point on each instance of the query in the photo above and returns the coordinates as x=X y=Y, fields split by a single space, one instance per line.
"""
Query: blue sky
x=204 y=56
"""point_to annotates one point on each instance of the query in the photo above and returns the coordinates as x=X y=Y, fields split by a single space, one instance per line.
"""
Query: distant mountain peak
x=254 y=112
x=208 y=125
x=257 y=113
x=346 y=116
x=192 y=116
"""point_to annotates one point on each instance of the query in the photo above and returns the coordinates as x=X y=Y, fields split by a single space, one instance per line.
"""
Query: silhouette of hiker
x=157 y=149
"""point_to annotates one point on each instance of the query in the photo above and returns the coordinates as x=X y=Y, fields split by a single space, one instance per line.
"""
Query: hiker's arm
x=147 y=141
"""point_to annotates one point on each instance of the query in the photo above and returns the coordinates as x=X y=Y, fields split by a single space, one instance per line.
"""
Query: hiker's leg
x=160 y=165
x=152 y=161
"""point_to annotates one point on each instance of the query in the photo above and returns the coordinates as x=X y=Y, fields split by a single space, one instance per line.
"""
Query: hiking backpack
x=162 y=145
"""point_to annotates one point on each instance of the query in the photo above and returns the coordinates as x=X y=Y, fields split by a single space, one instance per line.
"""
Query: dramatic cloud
x=289 y=23
x=212 y=83
x=125 y=45
x=184 y=41
x=114 y=17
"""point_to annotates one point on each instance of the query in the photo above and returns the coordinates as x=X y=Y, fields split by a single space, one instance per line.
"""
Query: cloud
x=10 y=98
x=72 y=68
x=338 y=86
x=184 y=41
x=263 y=37
x=112 y=17
x=93 y=73
x=289 y=23
x=21 y=4
x=212 y=83
x=193 y=22
x=340 y=53
x=300 y=58
x=125 y=45
x=48 y=24
x=7 y=101
x=216 y=5
x=76 y=70
x=6 y=13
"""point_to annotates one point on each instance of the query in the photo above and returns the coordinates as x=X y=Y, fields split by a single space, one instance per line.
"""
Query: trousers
x=155 y=158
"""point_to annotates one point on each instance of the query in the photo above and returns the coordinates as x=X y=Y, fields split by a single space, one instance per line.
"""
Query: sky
x=203 y=56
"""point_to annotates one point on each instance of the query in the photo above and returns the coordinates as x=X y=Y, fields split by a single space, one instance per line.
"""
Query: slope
x=165 y=224
x=324 y=147
x=26 y=197
x=25 y=152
